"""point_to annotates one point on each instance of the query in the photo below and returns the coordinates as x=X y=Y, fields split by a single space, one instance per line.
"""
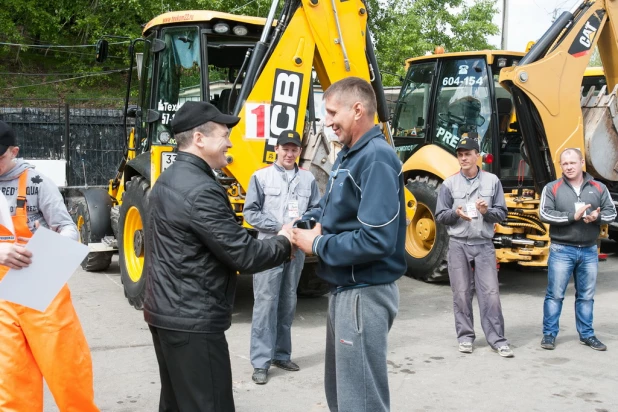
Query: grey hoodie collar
x=20 y=166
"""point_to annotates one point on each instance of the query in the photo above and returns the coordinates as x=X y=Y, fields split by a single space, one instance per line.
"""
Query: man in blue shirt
x=360 y=242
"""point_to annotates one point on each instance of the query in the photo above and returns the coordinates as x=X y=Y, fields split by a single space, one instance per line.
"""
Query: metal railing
x=88 y=137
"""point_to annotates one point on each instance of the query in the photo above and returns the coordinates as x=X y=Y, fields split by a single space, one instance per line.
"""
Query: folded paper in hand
x=54 y=259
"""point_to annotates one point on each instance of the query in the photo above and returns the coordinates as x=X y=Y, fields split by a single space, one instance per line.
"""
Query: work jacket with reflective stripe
x=457 y=191
x=558 y=209
x=271 y=195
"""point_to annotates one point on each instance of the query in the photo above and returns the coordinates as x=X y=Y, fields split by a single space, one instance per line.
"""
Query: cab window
x=463 y=103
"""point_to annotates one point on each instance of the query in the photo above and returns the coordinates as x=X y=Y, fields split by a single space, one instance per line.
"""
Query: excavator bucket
x=600 y=115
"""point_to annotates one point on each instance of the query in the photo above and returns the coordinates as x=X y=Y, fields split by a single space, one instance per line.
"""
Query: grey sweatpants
x=464 y=281
x=274 y=306
x=355 y=374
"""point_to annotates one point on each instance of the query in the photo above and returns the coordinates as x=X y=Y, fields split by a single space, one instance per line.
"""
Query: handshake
x=301 y=234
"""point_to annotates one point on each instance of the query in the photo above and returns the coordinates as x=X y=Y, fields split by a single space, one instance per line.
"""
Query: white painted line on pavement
x=118 y=284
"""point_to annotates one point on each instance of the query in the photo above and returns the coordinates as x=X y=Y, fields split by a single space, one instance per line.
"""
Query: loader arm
x=546 y=89
x=328 y=36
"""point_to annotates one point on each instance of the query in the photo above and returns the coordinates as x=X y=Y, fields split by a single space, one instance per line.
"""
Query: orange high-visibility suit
x=36 y=345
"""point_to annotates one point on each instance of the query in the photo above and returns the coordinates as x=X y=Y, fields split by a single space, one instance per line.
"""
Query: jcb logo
x=588 y=35
x=286 y=94
x=284 y=107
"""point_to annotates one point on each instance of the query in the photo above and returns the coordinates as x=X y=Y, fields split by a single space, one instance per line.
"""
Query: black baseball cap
x=193 y=114
x=7 y=137
x=469 y=143
x=289 y=136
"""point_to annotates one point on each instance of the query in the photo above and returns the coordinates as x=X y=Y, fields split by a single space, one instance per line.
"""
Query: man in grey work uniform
x=278 y=195
x=469 y=203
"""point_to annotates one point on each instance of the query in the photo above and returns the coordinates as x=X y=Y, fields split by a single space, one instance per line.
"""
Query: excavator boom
x=545 y=86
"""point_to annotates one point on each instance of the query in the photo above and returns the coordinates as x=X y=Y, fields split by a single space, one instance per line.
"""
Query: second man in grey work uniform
x=469 y=204
x=277 y=195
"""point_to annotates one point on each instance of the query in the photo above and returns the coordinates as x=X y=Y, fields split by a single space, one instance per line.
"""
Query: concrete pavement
x=427 y=373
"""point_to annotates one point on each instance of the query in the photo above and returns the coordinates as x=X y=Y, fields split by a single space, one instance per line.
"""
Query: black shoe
x=593 y=342
x=260 y=376
x=548 y=342
x=287 y=365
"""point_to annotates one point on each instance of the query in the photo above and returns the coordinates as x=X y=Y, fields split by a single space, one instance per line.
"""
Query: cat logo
x=582 y=44
x=588 y=35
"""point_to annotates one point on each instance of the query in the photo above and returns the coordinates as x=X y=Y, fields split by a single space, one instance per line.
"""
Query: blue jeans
x=582 y=263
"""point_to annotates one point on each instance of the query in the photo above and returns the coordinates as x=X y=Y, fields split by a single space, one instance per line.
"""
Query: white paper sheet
x=54 y=260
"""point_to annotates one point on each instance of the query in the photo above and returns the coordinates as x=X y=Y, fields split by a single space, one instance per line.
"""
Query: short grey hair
x=354 y=88
x=183 y=139
x=572 y=150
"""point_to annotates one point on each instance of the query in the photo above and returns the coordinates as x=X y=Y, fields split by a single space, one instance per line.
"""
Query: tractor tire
x=114 y=218
x=310 y=285
x=426 y=241
x=132 y=226
x=95 y=261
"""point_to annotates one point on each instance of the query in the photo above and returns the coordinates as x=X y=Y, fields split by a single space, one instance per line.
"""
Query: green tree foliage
x=595 y=59
x=401 y=29
x=404 y=29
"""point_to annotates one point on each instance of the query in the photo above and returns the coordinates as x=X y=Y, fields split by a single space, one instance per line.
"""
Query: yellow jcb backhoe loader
x=259 y=69
x=446 y=96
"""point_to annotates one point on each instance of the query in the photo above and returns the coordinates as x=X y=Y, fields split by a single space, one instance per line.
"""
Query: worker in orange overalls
x=36 y=345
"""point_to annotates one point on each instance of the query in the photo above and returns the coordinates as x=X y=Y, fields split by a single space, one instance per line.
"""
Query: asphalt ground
x=426 y=371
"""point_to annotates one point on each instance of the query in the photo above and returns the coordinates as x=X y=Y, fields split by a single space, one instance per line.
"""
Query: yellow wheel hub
x=133 y=243
x=80 y=225
x=421 y=232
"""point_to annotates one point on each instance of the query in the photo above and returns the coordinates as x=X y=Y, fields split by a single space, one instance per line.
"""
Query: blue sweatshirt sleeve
x=314 y=210
x=378 y=214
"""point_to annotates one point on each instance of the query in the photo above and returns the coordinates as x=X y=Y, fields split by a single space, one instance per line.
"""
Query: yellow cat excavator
x=260 y=69
x=526 y=109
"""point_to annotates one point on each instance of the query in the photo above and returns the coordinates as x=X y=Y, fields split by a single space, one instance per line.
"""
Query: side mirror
x=102 y=48
x=139 y=60
x=132 y=110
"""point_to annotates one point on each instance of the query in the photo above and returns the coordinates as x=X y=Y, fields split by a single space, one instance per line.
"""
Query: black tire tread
x=432 y=268
x=95 y=261
x=136 y=194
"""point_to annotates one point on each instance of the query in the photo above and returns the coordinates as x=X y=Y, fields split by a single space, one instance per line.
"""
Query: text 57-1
x=167 y=117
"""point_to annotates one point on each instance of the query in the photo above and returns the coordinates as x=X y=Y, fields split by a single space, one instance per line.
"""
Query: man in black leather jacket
x=194 y=249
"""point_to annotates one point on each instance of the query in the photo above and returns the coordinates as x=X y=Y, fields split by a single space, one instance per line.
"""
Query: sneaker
x=465 y=347
x=260 y=376
x=548 y=342
x=505 y=351
x=287 y=365
x=593 y=342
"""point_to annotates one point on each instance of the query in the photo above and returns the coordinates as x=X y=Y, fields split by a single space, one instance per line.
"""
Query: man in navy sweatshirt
x=359 y=239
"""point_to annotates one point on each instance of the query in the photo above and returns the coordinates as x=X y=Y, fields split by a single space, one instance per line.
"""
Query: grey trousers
x=484 y=279
x=274 y=293
x=355 y=374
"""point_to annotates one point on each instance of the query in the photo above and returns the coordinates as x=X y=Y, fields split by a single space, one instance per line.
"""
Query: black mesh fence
x=89 y=138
